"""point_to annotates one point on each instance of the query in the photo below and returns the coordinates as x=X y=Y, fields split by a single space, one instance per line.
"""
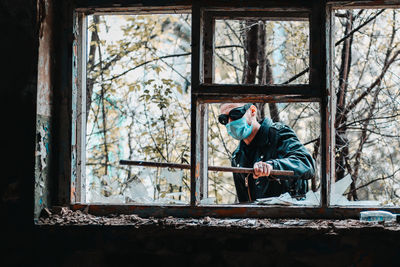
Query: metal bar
x=210 y=168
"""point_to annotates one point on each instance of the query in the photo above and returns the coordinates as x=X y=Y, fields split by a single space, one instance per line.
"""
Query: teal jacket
x=278 y=145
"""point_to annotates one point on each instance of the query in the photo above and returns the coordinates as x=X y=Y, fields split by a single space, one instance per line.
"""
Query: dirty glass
x=261 y=52
x=366 y=82
x=138 y=106
x=303 y=118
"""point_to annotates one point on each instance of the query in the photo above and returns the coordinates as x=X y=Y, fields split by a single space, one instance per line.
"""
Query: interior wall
x=19 y=50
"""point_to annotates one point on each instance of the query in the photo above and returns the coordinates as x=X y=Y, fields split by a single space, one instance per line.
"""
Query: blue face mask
x=239 y=129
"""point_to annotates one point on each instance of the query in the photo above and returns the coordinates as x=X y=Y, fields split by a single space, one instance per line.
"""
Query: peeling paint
x=44 y=94
x=43 y=146
x=42 y=153
x=44 y=106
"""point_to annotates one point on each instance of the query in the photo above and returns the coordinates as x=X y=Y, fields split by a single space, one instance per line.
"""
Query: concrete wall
x=19 y=50
x=27 y=134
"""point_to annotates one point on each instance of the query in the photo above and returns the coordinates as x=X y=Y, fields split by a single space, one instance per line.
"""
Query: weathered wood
x=78 y=147
x=196 y=78
x=231 y=211
x=210 y=168
x=207 y=53
x=62 y=121
x=348 y=4
x=318 y=90
x=331 y=98
x=208 y=29
x=256 y=89
x=318 y=32
x=261 y=15
x=203 y=150
x=237 y=4
x=166 y=6
x=239 y=98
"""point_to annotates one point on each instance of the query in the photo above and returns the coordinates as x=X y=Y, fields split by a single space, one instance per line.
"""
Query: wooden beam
x=330 y=110
x=78 y=146
x=239 y=4
x=203 y=143
x=262 y=15
x=205 y=98
x=62 y=122
x=318 y=81
x=256 y=89
x=195 y=151
x=376 y=4
x=231 y=211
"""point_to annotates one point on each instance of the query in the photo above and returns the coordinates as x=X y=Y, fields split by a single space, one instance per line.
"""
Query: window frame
x=319 y=90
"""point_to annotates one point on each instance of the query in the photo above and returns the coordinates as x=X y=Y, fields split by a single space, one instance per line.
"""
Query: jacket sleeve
x=291 y=154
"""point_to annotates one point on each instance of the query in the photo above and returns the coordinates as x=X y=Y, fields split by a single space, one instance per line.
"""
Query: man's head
x=238 y=118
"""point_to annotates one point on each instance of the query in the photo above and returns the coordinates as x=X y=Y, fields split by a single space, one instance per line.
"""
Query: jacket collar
x=261 y=137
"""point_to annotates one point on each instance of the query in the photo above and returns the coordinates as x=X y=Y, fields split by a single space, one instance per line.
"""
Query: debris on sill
x=63 y=216
x=313 y=198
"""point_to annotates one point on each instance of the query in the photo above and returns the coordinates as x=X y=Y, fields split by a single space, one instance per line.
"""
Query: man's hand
x=261 y=169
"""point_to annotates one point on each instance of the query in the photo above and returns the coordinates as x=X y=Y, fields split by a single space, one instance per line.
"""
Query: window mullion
x=318 y=82
x=78 y=141
x=195 y=151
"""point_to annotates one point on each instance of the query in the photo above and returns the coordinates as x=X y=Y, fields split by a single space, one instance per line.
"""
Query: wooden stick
x=210 y=168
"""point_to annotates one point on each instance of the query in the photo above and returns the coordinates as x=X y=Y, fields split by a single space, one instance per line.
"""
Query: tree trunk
x=251 y=41
x=342 y=151
x=255 y=41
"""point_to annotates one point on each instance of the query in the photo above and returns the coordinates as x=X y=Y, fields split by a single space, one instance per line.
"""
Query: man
x=265 y=146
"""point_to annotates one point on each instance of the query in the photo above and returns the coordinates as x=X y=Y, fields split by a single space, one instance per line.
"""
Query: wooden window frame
x=203 y=92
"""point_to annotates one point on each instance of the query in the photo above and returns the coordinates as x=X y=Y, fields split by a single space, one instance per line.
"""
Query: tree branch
x=147 y=62
x=373 y=85
x=359 y=27
x=373 y=181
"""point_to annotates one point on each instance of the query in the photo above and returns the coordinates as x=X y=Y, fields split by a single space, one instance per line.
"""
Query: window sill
x=63 y=216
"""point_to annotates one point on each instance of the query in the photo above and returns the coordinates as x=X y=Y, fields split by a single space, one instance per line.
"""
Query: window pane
x=303 y=118
x=261 y=52
x=138 y=107
x=367 y=122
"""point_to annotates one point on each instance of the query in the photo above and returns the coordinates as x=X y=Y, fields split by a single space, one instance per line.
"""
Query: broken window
x=151 y=85
x=278 y=48
x=367 y=82
x=261 y=57
x=138 y=107
x=302 y=117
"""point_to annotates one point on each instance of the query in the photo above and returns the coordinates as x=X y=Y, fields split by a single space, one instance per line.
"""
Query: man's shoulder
x=282 y=133
x=281 y=127
x=277 y=126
